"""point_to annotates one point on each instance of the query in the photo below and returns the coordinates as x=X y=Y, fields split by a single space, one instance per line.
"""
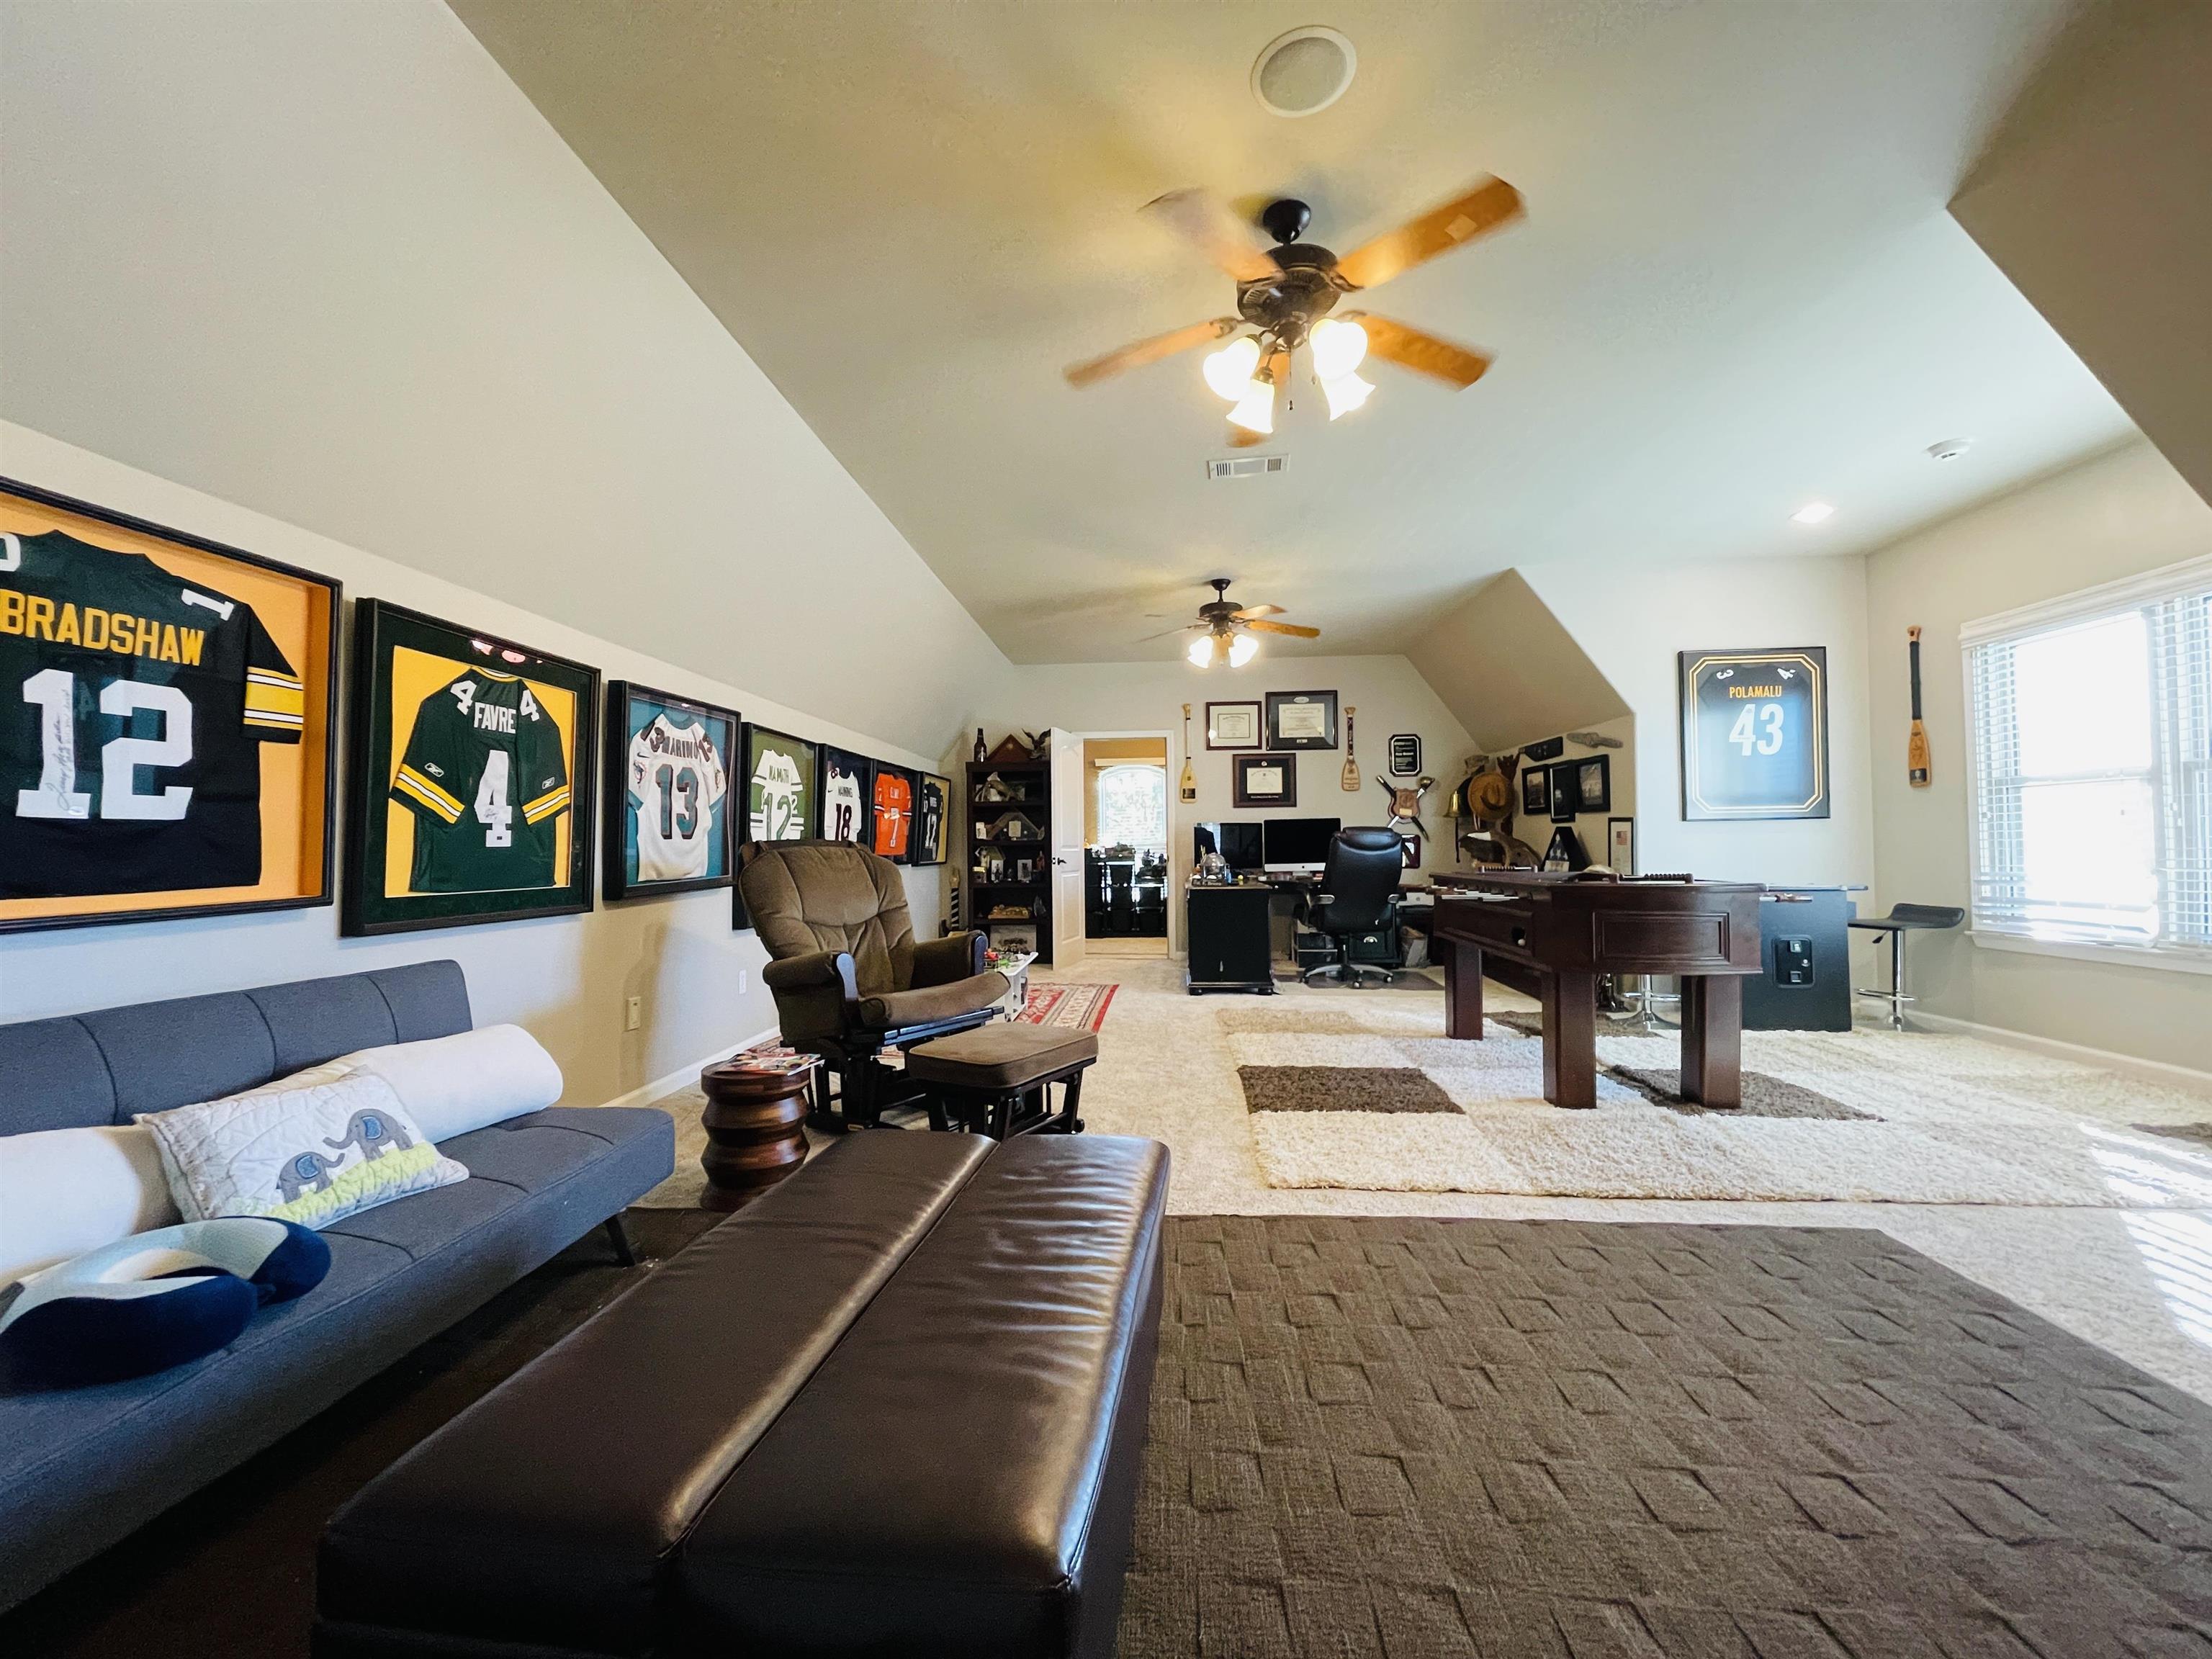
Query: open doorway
x=1124 y=844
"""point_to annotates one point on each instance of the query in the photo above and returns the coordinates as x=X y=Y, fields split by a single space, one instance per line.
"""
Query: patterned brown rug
x=1763 y=1096
x=1341 y=1089
x=1415 y=1439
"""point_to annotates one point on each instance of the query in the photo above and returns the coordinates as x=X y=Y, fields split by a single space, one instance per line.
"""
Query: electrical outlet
x=635 y=1016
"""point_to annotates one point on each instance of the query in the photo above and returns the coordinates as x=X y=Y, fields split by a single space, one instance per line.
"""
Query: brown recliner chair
x=849 y=978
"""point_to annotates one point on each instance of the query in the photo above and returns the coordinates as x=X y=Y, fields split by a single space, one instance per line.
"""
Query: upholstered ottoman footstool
x=997 y=1079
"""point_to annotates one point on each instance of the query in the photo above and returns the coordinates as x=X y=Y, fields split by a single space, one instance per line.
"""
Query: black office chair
x=1359 y=895
x=1904 y=918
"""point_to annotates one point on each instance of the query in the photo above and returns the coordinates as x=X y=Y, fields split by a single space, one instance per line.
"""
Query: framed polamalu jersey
x=469 y=794
x=844 y=795
x=166 y=713
x=891 y=801
x=1755 y=733
x=671 y=823
x=932 y=797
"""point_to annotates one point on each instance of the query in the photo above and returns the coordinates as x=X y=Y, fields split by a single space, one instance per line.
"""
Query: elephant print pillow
x=313 y=1147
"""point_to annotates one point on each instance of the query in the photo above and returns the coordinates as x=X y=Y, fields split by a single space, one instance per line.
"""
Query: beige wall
x=2116 y=516
x=1508 y=671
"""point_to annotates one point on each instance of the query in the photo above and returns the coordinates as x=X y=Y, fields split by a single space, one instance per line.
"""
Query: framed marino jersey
x=670 y=824
x=469 y=794
x=166 y=710
x=1755 y=734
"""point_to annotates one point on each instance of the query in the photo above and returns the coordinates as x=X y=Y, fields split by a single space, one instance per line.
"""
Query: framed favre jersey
x=891 y=803
x=671 y=826
x=166 y=706
x=1755 y=734
x=468 y=778
x=845 y=797
x=932 y=798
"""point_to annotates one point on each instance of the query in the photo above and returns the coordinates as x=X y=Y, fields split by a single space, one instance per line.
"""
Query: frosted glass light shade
x=1338 y=348
x=1229 y=371
x=1201 y=652
x=1255 y=411
x=1242 y=650
x=1346 y=393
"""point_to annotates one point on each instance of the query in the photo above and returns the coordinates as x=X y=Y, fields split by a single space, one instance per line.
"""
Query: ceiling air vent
x=1244 y=466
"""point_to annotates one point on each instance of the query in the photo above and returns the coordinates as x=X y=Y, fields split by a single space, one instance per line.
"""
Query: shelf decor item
x=174 y=703
x=1265 y=780
x=1301 y=719
x=469 y=794
x=670 y=826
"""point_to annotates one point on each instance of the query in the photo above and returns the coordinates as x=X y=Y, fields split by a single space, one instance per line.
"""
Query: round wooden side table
x=755 y=1133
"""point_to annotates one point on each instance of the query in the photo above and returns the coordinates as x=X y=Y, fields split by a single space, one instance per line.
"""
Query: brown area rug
x=1341 y=1089
x=1416 y=1439
x=1763 y=1096
x=2201 y=1133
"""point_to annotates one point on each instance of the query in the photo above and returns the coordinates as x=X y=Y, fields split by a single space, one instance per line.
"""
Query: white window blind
x=2091 y=767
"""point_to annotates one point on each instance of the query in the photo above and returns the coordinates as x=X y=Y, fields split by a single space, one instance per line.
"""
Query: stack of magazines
x=772 y=1059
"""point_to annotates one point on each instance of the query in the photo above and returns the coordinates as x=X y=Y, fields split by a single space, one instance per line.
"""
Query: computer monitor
x=1292 y=846
x=1240 y=844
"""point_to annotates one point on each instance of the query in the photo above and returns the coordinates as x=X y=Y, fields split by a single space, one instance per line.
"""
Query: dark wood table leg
x=1571 y=1039
x=1462 y=990
x=1712 y=1040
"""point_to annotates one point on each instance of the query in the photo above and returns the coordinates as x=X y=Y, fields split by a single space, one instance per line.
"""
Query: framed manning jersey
x=166 y=713
x=891 y=801
x=671 y=827
x=845 y=797
x=469 y=793
x=932 y=798
x=1755 y=733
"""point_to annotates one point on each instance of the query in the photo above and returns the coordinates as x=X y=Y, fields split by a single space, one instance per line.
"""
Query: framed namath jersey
x=469 y=794
x=782 y=777
x=1755 y=733
x=166 y=713
x=845 y=795
x=671 y=820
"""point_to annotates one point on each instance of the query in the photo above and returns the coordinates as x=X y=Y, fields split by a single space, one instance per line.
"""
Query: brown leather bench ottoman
x=838 y=1424
x=997 y=1079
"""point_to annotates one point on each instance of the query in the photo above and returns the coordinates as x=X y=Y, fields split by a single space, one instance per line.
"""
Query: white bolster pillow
x=470 y=1080
x=63 y=1191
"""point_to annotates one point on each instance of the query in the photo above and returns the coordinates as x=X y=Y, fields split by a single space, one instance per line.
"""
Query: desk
x=1566 y=932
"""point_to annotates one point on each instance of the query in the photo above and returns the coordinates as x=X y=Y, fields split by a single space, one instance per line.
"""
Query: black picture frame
x=318 y=794
x=933 y=817
x=1755 y=734
x=1244 y=766
x=883 y=813
x=1409 y=850
x=387 y=698
x=1563 y=796
x=796 y=821
x=1593 y=783
x=1535 y=792
x=846 y=768
x=1621 y=846
x=1405 y=754
x=1258 y=740
x=619 y=859
x=1544 y=749
x=1282 y=702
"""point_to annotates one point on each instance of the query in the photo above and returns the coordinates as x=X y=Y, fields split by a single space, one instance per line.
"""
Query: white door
x=1068 y=783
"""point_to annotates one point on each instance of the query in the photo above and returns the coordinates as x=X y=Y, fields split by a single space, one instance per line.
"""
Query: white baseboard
x=647 y=1093
x=2153 y=1071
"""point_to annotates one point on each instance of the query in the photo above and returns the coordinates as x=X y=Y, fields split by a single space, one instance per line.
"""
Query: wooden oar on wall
x=1349 y=778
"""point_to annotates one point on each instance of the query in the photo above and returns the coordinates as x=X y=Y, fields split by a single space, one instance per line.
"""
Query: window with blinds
x=2091 y=721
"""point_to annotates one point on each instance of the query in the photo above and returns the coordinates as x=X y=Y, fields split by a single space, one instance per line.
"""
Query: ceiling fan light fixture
x=1346 y=393
x=1242 y=650
x=1229 y=371
x=1255 y=409
x=1339 y=347
x=1201 y=652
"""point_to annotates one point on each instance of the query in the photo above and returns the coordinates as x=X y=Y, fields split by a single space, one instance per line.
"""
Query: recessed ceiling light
x=1304 y=72
x=1813 y=513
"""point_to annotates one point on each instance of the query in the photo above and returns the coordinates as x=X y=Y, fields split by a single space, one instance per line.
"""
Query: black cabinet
x=1805 y=979
x=1229 y=940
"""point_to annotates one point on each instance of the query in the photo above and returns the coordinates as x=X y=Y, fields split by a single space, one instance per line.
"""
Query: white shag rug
x=1951 y=1120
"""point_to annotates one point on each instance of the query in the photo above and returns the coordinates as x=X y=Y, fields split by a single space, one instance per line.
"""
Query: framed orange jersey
x=891 y=809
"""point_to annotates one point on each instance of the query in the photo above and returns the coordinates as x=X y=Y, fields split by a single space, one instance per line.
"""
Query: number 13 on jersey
x=1755 y=734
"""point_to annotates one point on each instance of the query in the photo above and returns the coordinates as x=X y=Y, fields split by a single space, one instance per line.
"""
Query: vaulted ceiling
x=1737 y=290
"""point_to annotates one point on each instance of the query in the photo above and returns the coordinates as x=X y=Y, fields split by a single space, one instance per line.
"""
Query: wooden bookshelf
x=1029 y=786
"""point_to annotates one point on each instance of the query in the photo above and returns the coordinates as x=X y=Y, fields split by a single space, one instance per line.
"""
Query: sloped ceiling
x=1508 y=669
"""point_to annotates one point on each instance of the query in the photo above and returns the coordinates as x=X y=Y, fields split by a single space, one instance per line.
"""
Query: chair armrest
x=833 y=970
x=942 y=961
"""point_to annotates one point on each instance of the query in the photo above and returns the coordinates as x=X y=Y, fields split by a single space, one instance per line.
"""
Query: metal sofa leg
x=618 y=1238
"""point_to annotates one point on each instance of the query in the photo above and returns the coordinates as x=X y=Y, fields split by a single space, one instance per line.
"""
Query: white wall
x=566 y=978
x=2112 y=517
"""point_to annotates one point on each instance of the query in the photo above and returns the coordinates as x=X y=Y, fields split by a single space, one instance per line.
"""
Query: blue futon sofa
x=80 y=1468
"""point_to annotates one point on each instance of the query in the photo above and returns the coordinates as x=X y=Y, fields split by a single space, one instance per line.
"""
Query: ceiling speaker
x=1304 y=72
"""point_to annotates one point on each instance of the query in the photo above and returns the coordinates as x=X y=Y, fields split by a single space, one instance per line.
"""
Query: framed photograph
x=1234 y=725
x=933 y=811
x=1410 y=850
x=469 y=777
x=1565 y=796
x=1593 y=783
x=1301 y=719
x=1405 y=754
x=890 y=805
x=167 y=711
x=1755 y=734
x=844 y=795
x=1536 y=792
x=1266 y=779
x=1621 y=846
x=670 y=826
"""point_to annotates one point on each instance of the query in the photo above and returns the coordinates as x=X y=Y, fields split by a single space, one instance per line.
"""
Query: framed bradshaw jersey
x=166 y=713
x=469 y=779
x=891 y=798
x=671 y=826
x=932 y=797
x=1755 y=734
x=845 y=797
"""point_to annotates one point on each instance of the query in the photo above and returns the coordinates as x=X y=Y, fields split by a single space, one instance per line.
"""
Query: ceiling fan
x=1222 y=627
x=1285 y=294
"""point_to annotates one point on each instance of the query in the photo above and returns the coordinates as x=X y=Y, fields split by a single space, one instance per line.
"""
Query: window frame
x=1158 y=769
x=2167 y=772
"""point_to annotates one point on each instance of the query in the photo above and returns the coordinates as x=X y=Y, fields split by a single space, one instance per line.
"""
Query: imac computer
x=1295 y=845
x=1239 y=844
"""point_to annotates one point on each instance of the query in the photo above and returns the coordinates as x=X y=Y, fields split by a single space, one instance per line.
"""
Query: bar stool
x=1904 y=918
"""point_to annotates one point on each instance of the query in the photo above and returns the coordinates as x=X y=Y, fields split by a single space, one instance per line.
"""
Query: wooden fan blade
x=1293 y=629
x=1150 y=351
x=1425 y=354
x=1202 y=220
x=1491 y=205
x=1252 y=611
